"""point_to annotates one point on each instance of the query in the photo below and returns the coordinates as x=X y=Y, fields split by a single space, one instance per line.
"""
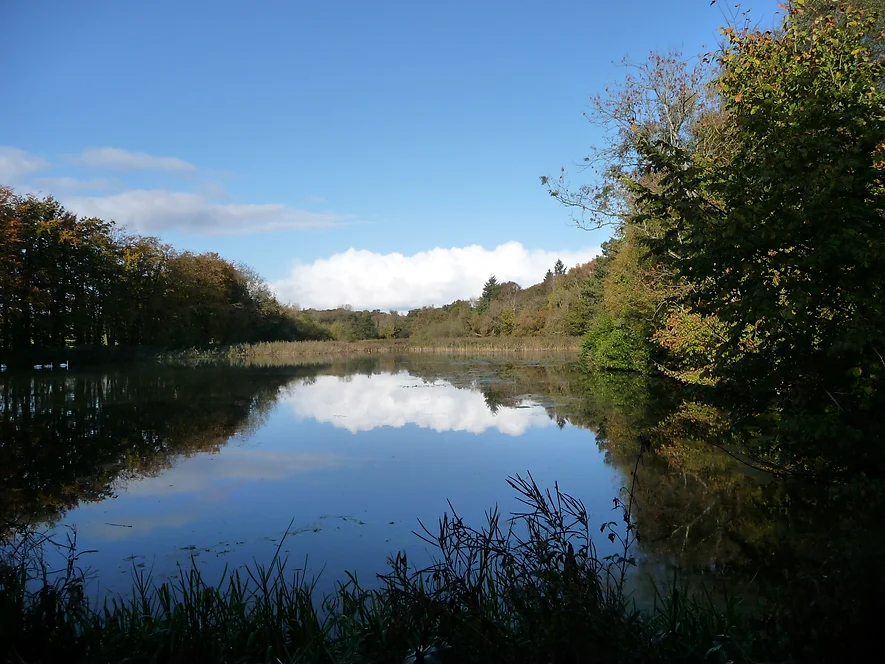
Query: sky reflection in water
x=353 y=462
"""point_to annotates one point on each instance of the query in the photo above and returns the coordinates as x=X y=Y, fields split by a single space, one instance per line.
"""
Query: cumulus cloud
x=152 y=211
x=119 y=159
x=363 y=403
x=15 y=163
x=369 y=280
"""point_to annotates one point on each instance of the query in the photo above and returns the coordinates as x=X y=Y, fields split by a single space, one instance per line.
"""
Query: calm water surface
x=154 y=466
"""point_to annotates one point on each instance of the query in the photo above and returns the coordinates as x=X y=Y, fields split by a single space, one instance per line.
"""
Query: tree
x=834 y=10
x=67 y=280
x=490 y=289
x=559 y=268
x=489 y=292
x=784 y=241
x=363 y=326
x=664 y=99
x=507 y=317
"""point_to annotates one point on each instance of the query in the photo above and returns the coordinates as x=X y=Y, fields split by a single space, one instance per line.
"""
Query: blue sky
x=284 y=134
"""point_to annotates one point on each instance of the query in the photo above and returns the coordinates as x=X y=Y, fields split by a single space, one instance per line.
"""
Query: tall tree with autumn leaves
x=72 y=281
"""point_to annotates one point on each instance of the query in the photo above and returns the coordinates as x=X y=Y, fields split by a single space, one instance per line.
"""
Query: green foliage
x=783 y=240
x=507 y=321
x=490 y=291
x=553 y=308
x=834 y=10
x=662 y=99
x=390 y=326
x=449 y=321
x=691 y=340
x=616 y=344
x=617 y=307
x=747 y=195
x=363 y=326
x=355 y=326
x=558 y=268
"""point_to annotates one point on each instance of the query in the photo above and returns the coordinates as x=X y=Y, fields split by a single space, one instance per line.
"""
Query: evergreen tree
x=490 y=290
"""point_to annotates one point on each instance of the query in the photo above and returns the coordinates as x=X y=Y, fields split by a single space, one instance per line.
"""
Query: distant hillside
x=557 y=306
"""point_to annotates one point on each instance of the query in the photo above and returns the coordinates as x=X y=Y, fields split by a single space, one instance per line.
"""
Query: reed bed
x=284 y=349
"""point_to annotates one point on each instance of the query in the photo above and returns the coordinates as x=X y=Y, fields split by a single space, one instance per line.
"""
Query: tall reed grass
x=459 y=345
x=296 y=350
x=525 y=588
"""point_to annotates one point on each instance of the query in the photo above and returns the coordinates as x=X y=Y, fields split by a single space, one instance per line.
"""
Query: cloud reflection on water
x=362 y=403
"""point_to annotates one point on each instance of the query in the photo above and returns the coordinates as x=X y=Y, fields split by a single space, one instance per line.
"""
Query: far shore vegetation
x=745 y=191
x=296 y=350
x=71 y=284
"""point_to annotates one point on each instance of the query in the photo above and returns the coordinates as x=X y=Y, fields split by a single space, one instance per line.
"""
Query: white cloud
x=363 y=403
x=67 y=183
x=206 y=209
x=369 y=280
x=123 y=160
x=152 y=211
x=15 y=163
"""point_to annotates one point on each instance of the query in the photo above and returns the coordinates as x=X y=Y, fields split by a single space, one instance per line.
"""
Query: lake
x=154 y=466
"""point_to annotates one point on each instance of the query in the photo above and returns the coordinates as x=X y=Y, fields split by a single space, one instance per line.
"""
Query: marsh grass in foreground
x=528 y=588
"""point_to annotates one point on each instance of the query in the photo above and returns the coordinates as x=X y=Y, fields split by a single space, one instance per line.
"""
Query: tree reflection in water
x=68 y=438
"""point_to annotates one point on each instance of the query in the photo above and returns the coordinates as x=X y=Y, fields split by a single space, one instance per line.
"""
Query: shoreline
x=92 y=356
